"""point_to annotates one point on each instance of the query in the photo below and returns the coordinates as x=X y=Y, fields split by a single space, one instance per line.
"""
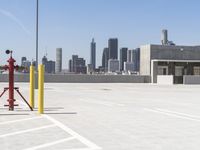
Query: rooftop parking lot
x=104 y=116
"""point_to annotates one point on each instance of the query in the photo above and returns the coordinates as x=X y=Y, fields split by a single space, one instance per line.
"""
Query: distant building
x=136 y=60
x=129 y=55
x=77 y=65
x=58 y=68
x=123 y=57
x=133 y=57
x=113 y=48
x=44 y=60
x=73 y=65
x=113 y=65
x=129 y=63
x=70 y=65
x=169 y=60
x=128 y=66
x=89 y=69
x=49 y=65
x=80 y=66
x=93 y=54
x=22 y=60
x=34 y=63
x=105 y=58
x=164 y=38
x=26 y=65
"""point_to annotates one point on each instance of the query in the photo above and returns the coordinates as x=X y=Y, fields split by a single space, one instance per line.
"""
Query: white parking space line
x=51 y=144
x=83 y=140
x=81 y=149
x=174 y=114
x=179 y=113
x=19 y=120
x=25 y=131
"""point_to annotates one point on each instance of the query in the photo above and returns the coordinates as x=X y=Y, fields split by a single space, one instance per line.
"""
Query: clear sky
x=71 y=24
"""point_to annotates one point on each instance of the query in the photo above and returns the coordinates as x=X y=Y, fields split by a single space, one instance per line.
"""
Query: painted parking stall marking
x=52 y=123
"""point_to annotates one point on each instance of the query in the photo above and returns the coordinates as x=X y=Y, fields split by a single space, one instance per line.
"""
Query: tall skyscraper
x=129 y=55
x=133 y=56
x=105 y=58
x=73 y=66
x=123 y=57
x=93 y=54
x=164 y=37
x=70 y=65
x=113 y=48
x=58 y=60
x=137 y=61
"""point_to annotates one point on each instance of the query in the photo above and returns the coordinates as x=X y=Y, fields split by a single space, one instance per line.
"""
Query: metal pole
x=36 y=65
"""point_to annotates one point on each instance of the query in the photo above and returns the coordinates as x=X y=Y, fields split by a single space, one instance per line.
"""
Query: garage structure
x=169 y=60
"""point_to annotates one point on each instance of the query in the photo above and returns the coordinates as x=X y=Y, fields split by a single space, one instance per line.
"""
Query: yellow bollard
x=32 y=86
x=40 y=89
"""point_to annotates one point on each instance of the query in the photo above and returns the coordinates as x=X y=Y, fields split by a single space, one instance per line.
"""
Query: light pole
x=37 y=5
x=36 y=63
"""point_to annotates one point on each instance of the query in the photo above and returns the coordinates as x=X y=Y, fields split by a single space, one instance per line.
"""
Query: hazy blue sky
x=71 y=24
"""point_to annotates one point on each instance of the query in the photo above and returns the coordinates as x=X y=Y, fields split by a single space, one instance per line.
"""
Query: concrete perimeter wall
x=191 y=79
x=82 y=78
x=165 y=79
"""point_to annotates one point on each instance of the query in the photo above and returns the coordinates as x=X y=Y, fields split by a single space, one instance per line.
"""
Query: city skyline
x=71 y=25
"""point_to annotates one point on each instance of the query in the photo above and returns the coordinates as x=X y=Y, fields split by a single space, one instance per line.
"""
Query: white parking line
x=174 y=114
x=19 y=120
x=25 y=131
x=179 y=113
x=51 y=144
x=81 y=149
x=83 y=140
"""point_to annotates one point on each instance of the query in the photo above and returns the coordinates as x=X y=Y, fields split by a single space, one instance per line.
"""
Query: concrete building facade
x=77 y=65
x=123 y=57
x=133 y=57
x=105 y=58
x=49 y=65
x=169 y=60
x=58 y=68
x=93 y=54
x=128 y=66
x=113 y=65
x=113 y=48
x=164 y=37
x=136 y=59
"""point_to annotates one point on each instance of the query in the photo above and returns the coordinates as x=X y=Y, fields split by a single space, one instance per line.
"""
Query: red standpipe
x=11 y=68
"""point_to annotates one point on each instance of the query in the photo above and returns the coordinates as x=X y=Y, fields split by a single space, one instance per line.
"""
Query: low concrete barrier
x=70 y=78
x=165 y=79
x=191 y=79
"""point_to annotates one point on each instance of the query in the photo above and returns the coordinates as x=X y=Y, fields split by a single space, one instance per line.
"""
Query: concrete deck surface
x=105 y=116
